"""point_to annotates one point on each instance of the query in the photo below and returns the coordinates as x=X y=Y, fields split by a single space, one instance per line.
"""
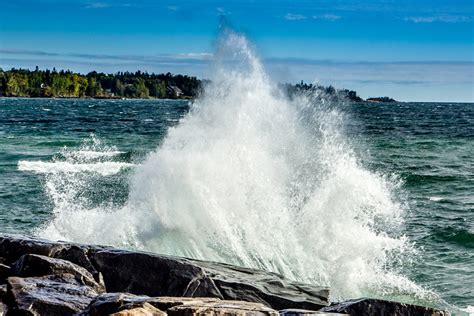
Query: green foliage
x=67 y=84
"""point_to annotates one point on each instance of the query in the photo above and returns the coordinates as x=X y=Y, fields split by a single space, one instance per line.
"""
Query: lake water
x=82 y=156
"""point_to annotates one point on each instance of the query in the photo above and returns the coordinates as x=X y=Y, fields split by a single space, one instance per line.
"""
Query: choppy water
x=371 y=199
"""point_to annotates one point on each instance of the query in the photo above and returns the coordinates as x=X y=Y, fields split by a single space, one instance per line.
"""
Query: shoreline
x=45 y=277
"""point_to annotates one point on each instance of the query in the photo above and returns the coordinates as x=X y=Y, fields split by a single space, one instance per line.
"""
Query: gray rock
x=193 y=278
x=48 y=295
x=37 y=265
x=79 y=255
x=145 y=310
x=271 y=289
x=13 y=247
x=109 y=303
x=160 y=275
x=227 y=308
x=375 y=307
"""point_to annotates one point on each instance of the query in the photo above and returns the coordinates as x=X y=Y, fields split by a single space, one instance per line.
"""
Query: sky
x=411 y=50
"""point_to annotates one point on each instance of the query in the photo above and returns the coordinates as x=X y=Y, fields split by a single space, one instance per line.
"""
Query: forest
x=131 y=85
x=68 y=84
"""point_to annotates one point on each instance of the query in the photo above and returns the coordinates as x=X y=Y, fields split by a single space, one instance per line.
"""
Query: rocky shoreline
x=40 y=277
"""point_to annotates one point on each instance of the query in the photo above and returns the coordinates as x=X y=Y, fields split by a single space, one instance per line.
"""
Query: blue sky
x=421 y=50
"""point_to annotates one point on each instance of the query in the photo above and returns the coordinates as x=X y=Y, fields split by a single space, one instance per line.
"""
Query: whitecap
x=103 y=168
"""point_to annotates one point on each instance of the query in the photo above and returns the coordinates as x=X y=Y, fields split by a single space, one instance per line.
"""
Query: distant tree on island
x=381 y=99
x=68 y=84
x=328 y=93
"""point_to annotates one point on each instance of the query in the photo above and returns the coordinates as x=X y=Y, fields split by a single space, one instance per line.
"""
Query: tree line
x=328 y=93
x=68 y=84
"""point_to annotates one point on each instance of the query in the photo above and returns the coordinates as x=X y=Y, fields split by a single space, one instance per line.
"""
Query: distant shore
x=65 y=84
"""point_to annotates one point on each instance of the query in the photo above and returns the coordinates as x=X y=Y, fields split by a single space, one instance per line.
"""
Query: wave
x=249 y=177
x=103 y=168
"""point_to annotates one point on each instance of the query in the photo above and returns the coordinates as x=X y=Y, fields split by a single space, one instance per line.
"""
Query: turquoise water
x=427 y=147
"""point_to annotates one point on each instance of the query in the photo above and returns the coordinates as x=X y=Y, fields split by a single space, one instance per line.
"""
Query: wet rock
x=79 y=255
x=171 y=276
x=159 y=275
x=37 y=265
x=145 y=310
x=13 y=247
x=48 y=295
x=227 y=308
x=271 y=289
x=166 y=302
x=109 y=303
x=5 y=272
x=369 y=307
x=193 y=278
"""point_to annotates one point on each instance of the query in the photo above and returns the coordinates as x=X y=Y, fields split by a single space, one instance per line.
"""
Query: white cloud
x=439 y=18
x=295 y=17
x=97 y=5
x=327 y=17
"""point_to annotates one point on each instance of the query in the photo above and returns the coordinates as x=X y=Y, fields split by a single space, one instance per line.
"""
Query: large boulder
x=37 y=265
x=375 y=307
x=271 y=289
x=48 y=295
x=192 y=278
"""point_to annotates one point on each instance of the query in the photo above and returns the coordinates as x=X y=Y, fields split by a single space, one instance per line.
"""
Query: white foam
x=103 y=168
x=469 y=309
x=436 y=198
x=250 y=178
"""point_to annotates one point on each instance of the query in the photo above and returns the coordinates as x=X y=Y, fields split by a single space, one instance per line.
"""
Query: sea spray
x=251 y=178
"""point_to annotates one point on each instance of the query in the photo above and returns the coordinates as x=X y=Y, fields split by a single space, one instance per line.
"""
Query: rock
x=159 y=275
x=193 y=278
x=166 y=302
x=13 y=247
x=227 y=308
x=48 y=295
x=271 y=289
x=171 y=276
x=79 y=255
x=109 y=303
x=37 y=265
x=369 y=307
x=146 y=310
x=5 y=272
x=3 y=309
